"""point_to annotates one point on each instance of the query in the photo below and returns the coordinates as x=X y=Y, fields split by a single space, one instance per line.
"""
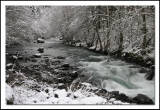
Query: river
x=104 y=71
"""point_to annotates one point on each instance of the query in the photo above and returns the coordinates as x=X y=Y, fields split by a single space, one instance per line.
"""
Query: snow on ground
x=50 y=95
x=9 y=92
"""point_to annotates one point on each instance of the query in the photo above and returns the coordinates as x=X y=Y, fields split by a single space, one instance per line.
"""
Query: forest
x=122 y=31
x=87 y=54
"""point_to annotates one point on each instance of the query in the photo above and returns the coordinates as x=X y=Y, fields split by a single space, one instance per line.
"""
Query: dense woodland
x=108 y=29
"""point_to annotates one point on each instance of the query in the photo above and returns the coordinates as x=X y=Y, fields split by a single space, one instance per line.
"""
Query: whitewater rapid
x=116 y=75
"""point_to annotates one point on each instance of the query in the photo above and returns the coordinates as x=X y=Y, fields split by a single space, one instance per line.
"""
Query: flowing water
x=106 y=72
x=109 y=73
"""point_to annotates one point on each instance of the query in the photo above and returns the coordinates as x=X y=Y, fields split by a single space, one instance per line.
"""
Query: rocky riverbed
x=37 y=74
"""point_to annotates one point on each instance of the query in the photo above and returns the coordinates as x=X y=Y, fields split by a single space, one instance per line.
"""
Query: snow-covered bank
x=49 y=95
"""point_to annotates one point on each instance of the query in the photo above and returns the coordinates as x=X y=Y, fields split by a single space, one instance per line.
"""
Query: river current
x=104 y=71
x=109 y=73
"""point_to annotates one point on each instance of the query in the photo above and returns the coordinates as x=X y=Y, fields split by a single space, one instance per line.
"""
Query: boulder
x=66 y=65
x=40 y=40
x=150 y=75
x=9 y=95
x=38 y=55
x=61 y=86
x=115 y=93
x=60 y=57
x=142 y=99
x=60 y=80
x=74 y=74
x=102 y=92
x=122 y=97
x=14 y=57
x=20 y=57
x=9 y=66
x=152 y=66
x=46 y=90
x=41 y=50
x=56 y=95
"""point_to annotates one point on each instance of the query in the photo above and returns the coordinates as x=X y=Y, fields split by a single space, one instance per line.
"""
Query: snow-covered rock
x=9 y=94
x=52 y=95
x=61 y=93
x=37 y=55
x=40 y=40
x=9 y=65
x=112 y=100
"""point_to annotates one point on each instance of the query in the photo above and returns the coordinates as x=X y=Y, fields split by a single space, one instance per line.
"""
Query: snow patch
x=93 y=100
x=61 y=93
x=9 y=92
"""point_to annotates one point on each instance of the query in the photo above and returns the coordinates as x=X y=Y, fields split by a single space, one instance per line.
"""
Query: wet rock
x=61 y=86
x=14 y=57
x=9 y=66
x=9 y=102
x=46 y=90
x=60 y=80
x=142 y=99
x=56 y=95
x=115 y=93
x=41 y=50
x=66 y=65
x=150 y=75
x=37 y=55
x=122 y=97
x=102 y=92
x=74 y=74
x=60 y=57
x=75 y=97
x=55 y=62
x=20 y=57
x=39 y=40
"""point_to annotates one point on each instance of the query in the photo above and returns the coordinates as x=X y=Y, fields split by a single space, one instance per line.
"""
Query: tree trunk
x=108 y=41
x=144 y=30
x=120 y=35
x=99 y=39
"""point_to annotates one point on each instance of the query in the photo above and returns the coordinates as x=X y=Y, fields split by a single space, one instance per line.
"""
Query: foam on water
x=118 y=75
